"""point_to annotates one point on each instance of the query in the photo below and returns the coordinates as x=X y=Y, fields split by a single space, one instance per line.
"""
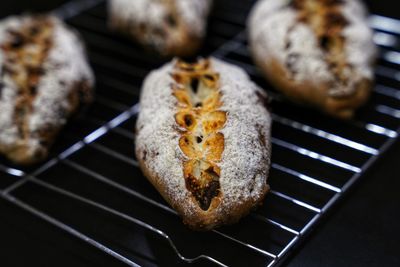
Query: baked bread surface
x=203 y=140
x=170 y=27
x=317 y=52
x=44 y=76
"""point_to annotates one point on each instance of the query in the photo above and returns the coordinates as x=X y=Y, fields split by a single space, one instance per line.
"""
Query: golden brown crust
x=25 y=69
x=201 y=220
x=200 y=122
x=170 y=36
x=317 y=95
x=313 y=51
x=221 y=177
x=22 y=154
x=44 y=78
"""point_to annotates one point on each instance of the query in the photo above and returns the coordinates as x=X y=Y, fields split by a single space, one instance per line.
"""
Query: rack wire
x=91 y=186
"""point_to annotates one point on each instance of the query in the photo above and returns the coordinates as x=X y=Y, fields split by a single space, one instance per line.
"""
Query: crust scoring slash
x=44 y=77
x=317 y=52
x=196 y=88
x=203 y=140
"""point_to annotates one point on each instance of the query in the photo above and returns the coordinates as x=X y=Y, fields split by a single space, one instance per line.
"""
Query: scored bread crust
x=170 y=27
x=44 y=77
x=238 y=172
x=323 y=58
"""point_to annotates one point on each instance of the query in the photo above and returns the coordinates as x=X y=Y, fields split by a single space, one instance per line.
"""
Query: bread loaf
x=317 y=52
x=170 y=27
x=44 y=77
x=203 y=140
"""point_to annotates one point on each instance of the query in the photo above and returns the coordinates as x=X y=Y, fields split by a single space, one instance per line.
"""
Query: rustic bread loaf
x=44 y=76
x=171 y=27
x=317 y=52
x=203 y=140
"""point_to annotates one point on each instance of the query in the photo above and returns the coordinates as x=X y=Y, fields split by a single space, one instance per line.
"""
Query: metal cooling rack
x=92 y=188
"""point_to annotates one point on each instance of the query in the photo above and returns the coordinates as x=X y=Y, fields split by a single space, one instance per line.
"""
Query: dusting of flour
x=246 y=157
x=273 y=23
x=64 y=66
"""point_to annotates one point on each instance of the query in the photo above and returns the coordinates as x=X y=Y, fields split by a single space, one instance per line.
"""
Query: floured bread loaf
x=44 y=76
x=317 y=52
x=203 y=140
x=171 y=27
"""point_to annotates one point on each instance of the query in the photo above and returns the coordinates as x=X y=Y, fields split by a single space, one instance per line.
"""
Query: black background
x=362 y=230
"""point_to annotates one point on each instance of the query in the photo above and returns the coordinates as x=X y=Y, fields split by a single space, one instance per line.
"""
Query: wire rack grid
x=92 y=189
